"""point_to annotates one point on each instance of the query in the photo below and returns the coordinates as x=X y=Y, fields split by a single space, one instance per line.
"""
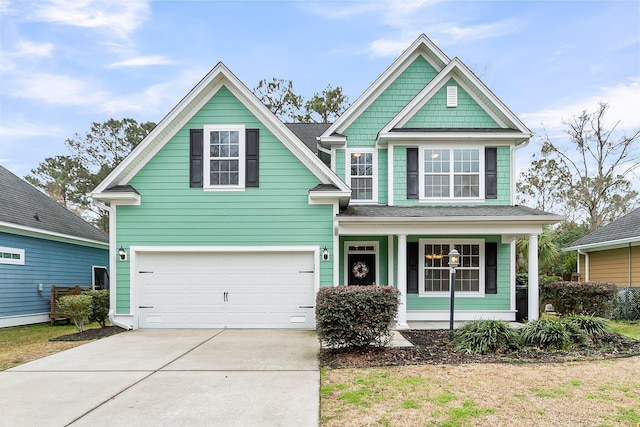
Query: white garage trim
x=135 y=251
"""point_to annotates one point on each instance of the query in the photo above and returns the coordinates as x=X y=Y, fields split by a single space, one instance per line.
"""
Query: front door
x=362 y=269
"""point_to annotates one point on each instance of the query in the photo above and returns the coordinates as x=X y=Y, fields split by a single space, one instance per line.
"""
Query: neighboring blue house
x=42 y=244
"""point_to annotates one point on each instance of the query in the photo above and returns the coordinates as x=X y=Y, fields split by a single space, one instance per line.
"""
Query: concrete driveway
x=170 y=378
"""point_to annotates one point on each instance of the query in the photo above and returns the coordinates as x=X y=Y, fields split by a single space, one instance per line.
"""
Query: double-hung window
x=436 y=274
x=452 y=173
x=224 y=154
x=361 y=170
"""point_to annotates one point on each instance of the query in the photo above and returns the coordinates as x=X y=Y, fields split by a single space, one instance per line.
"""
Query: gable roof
x=423 y=47
x=621 y=232
x=24 y=209
x=481 y=94
x=220 y=76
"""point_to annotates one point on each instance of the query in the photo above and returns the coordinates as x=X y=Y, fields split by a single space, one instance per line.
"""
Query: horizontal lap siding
x=47 y=262
x=499 y=301
x=613 y=266
x=172 y=214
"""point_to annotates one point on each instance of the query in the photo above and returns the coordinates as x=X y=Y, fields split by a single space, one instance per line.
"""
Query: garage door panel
x=252 y=290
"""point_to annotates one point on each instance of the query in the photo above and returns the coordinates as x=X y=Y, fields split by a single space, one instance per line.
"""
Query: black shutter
x=413 y=191
x=412 y=267
x=491 y=172
x=252 y=154
x=491 y=268
x=195 y=158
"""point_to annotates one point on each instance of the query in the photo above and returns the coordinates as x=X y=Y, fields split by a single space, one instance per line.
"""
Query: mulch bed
x=90 y=334
x=432 y=348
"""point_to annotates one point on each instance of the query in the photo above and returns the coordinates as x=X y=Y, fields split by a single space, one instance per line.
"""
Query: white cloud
x=118 y=17
x=25 y=48
x=623 y=100
x=54 y=89
x=22 y=129
x=386 y=47
x=142 y=61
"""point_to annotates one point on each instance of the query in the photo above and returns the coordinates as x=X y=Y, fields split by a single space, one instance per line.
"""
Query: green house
x=226 y=217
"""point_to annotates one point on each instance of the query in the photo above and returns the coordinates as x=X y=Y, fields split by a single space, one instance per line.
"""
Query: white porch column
x=534 y=294
x=402 y=281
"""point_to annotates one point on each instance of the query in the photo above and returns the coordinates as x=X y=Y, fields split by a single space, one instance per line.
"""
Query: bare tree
x=591 y=171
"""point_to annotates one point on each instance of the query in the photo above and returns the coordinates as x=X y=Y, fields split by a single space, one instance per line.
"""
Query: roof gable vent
x=452 y=96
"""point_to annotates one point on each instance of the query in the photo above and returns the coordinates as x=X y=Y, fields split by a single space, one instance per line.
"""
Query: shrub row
x=89 y=306
x=356 y=316
x=594 y=298
x=497 y=336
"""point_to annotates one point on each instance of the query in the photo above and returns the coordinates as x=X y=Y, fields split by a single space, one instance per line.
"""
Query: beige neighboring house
x=611 y=253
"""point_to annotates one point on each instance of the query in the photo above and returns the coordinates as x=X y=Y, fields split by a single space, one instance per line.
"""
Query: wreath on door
x=360 y=270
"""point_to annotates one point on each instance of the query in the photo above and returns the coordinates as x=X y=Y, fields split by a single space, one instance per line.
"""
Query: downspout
x=586 y=264
x=112 y=263
x=629 y=264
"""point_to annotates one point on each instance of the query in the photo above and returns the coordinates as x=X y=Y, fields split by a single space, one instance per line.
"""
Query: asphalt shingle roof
x=442 y=211
x=623 y=228
x=24 y=205
x=308 y=132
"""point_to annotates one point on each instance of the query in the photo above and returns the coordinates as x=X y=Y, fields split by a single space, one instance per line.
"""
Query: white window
x=224 y=148
x=452 y=173
x=436 y=274
x=11 y=256
x=362 y=170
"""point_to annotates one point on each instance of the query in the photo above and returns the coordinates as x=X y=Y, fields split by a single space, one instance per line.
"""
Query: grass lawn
x=624 y=328
x=21 y=344
x=597 y=393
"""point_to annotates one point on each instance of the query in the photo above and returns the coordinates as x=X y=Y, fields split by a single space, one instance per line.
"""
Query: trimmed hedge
x=592 y=298
x=356 y=316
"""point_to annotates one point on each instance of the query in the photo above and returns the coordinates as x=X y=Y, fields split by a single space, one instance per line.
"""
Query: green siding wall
x=504 y=178
x=499 y=301
x=172 y=214
x=435 y=114
x=362 y=132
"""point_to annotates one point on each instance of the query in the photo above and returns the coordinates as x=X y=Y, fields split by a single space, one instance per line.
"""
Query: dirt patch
x=90 y=334
x=432 y=348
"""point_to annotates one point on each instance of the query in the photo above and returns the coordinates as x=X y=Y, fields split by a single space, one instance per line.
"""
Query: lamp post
x=454 y=261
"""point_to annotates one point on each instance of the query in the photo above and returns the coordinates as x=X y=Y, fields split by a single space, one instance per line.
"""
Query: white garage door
x=235 y=290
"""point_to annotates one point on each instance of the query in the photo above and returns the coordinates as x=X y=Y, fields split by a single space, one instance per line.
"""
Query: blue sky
x=67 y=63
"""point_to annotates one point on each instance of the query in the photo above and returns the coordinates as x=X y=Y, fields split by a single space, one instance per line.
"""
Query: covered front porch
x=407 y=247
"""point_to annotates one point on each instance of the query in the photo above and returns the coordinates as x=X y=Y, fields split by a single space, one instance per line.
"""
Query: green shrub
x=590 y=325
x=593 y=298
x=77 y=307
x=522 y=279
x=550 y=333
x=485 y=336
x=545 y=280
x=99 y=306
x=356 y=316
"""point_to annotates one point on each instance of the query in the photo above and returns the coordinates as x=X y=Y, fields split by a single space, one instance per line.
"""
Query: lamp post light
x=454 y=261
